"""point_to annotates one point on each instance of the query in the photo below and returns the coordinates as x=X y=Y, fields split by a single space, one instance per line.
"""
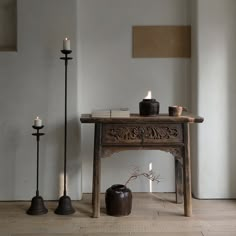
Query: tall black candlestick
x=37 y=204
x=65 y=206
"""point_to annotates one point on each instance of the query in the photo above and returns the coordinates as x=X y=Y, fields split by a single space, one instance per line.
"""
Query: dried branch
x=149 y=175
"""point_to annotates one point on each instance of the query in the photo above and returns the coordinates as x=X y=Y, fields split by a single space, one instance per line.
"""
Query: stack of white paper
x=101 y=113
x=122 y=112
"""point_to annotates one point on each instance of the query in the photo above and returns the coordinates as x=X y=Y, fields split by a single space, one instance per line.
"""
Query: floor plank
x=152 y=214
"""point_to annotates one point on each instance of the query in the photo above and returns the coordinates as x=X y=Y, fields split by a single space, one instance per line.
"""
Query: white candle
x=149 y=95
x=66 y=44
x=37 y=122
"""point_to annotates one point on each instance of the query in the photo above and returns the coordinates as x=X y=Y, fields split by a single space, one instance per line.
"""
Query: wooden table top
x=136 y=118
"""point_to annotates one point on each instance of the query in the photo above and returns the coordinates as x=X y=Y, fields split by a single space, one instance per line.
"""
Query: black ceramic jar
x=118 y=200
x=149 y=107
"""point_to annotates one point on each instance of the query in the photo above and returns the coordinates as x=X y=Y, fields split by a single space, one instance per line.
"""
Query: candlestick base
x=37 y=127
x=37 y=206
x=65 y=206
x=66 y=51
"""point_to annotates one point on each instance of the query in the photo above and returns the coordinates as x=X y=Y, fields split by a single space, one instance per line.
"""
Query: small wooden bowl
x=176 y=110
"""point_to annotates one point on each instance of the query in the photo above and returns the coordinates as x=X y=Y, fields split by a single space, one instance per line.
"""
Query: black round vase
x=118 y=200
x=149 y=107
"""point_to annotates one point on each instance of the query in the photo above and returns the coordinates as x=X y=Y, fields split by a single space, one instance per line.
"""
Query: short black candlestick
x=37 y=204
x=65 y=206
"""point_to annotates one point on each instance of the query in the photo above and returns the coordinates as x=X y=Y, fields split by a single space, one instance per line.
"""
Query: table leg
x=178 y=181
x=96 y=171
x=187 y=173
x=93 y=190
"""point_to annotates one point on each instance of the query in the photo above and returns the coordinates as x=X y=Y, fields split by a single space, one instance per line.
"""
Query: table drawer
x=132 y=134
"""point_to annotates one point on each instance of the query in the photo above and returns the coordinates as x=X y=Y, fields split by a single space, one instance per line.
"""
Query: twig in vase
x=149 y=175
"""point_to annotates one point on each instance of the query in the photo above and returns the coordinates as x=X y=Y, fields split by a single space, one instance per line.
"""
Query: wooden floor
x=152 y=214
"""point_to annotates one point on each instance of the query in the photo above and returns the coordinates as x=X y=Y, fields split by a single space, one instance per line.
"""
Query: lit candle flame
x=149 y=95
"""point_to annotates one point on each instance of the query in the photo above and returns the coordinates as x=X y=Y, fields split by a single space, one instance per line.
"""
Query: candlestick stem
x=65 y=139
x=65 y=206
x=37 y=204
x=37 y=174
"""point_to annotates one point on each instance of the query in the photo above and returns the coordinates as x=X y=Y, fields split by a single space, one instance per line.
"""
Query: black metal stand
x=65 y=206
x=37 y=204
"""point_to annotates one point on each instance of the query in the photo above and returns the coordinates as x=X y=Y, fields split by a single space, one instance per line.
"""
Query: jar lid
x=149 y=100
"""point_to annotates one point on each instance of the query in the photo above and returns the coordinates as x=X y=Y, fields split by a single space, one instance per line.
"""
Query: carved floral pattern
x=140 y=133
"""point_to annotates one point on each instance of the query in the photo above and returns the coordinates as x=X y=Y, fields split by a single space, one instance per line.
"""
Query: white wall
x=103 y=74
x=110 y=77
x=214 y=25
x=32 y=83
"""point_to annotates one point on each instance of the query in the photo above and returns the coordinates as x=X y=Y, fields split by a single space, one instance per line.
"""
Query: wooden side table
x=162 y=132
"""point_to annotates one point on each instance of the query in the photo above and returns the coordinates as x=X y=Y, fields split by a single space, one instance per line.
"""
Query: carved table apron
x=162 y=132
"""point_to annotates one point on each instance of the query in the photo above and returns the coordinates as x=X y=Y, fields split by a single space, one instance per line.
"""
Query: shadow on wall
x=32 y=83
x=194 y=96
x=74 y=164
x=73 y=161
x=73 y=124
x=231 y=83
x=10 y=146
x=111 y=77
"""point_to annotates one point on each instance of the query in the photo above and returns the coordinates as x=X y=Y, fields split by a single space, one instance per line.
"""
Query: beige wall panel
x=161 y=41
